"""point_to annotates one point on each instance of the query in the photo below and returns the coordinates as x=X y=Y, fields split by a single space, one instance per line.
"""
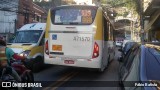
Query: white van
x=29 y=41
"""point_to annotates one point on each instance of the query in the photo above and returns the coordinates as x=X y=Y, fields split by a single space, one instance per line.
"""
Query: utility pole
x=141 y=20
x=26 y=16
x=15 y=26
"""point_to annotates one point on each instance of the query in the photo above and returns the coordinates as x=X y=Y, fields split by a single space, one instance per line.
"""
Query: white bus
x=78 y=36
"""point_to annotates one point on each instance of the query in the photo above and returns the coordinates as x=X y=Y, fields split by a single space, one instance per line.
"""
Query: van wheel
x=36 y=67
x=38 y=64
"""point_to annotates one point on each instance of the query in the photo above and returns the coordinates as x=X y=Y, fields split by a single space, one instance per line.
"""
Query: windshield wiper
x=68 y=23
x=74 y=23
x=21 y=42
x=27 y=44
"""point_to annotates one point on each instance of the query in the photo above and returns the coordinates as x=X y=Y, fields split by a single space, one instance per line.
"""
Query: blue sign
x=54 y=37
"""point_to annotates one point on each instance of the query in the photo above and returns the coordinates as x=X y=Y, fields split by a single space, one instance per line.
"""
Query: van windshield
x=27 y=36
x=73 y=15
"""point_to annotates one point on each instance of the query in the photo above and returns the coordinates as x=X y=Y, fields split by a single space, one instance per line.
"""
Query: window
x=27 y=36
x=130 y=54
x=124 y=69
x=133 y=73
x=42 y=40
x=73 y=15
x=105 y=29
x=131 y=58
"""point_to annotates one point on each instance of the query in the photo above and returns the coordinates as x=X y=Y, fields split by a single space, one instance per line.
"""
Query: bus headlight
x=25 y=53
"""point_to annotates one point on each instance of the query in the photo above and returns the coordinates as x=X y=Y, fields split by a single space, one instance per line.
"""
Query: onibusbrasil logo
x=13 y=84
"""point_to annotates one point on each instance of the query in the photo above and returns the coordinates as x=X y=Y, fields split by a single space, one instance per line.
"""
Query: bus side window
x=105 y=29
x=111 y=33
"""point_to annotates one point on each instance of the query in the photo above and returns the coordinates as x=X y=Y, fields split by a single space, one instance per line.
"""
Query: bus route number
x=81 y=38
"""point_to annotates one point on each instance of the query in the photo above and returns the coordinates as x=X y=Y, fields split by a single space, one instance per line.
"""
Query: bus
x=79 y=36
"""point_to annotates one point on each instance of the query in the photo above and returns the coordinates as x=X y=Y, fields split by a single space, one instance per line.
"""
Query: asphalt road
x=79 y=78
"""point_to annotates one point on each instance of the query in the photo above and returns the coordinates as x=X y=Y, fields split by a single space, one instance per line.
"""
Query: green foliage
x=103 y=1
x=115 y=3
x=119 y=14
x=130 y=4
x=125 y=14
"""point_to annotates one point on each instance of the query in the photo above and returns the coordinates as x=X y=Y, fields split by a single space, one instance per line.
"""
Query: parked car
x=141 y=68
x=126 y=50
x=127 y=46
x=125 y=41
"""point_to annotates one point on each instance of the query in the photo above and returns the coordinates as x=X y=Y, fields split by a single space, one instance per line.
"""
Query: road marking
x=61 y=81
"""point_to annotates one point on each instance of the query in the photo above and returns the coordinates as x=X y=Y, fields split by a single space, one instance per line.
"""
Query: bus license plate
x=68 y=61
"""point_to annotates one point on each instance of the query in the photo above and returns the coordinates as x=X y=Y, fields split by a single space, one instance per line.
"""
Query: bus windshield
x=27 y=36
x=73 y=15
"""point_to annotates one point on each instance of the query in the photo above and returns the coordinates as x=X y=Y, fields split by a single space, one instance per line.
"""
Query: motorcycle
x=23 y=71
x=5 y=76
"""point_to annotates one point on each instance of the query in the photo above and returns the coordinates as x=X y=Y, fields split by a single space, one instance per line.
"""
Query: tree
x=130 y=4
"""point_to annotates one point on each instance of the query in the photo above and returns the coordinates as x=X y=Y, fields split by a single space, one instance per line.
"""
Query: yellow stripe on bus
x=98 y=23
x=48 y=24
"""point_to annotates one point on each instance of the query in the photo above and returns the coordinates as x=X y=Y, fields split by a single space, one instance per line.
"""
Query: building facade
x=8 y=15
x=16 y=13
x=29 y=12
x=151 y=18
